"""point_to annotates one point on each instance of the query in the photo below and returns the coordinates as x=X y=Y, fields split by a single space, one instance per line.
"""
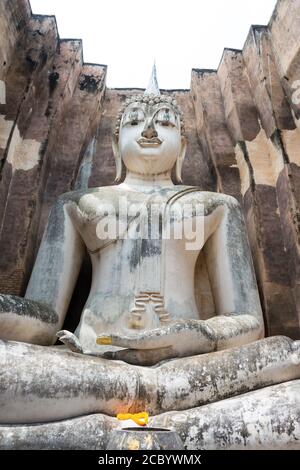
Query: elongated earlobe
x=118 y=159
x=180 y=160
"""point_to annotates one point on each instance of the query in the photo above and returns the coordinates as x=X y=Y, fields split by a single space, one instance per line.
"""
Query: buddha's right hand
x=177 y=339
x=70 y=340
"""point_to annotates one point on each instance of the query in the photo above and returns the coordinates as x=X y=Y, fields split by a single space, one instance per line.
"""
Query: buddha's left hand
x=177 y=339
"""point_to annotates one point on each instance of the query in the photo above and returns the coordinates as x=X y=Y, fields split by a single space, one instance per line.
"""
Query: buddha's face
x=150 y=140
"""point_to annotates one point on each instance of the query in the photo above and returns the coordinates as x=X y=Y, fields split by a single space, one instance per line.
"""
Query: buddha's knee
x=227 y=200
x=28 y=321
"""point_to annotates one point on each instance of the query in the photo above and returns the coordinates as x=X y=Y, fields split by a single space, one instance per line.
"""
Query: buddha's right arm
x=37 y=317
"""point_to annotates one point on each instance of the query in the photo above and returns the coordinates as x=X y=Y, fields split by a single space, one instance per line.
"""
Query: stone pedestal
x=145 y=439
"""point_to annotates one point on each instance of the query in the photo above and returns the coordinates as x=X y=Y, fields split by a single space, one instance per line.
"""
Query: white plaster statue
x=143 y=307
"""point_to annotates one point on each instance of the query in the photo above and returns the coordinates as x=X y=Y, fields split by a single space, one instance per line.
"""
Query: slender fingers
x=163 y=337
x=184 y=337
x=152 y=339
x=70 y=340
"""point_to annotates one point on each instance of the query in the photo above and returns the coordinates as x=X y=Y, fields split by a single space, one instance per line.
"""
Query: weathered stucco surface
x=245 y=422
x=242 y=126
x=70 y=384
x=56 y=117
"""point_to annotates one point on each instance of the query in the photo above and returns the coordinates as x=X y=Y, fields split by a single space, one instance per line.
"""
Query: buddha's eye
x=166 y=117
x=133 y=117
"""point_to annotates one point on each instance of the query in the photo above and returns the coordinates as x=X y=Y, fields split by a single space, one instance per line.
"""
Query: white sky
x=127 y=35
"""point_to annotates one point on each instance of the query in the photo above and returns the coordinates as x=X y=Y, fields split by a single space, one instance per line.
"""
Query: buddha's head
x=149 y=136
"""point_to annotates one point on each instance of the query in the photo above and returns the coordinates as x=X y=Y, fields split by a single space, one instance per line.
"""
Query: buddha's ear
x=118 y=159
x=180 y=159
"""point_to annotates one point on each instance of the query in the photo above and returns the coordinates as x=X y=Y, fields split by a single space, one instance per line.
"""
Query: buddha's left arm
x=232 y=278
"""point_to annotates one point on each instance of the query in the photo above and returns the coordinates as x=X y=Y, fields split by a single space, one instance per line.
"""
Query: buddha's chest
x=144 y=276
x=150 y=225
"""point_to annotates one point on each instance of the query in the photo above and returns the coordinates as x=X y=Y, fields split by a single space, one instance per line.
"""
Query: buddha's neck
x=136 y=180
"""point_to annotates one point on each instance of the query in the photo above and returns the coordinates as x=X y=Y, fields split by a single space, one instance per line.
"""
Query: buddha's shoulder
x=103 y=192
x=112 y=195
x=206 y=197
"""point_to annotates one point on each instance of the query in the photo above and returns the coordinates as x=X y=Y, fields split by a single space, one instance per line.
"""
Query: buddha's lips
x=154 y=142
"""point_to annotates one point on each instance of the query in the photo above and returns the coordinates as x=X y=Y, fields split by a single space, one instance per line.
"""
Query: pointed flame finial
x=153 y=88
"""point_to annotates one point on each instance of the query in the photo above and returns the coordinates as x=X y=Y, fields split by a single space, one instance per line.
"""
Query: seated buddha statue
x=144 y=341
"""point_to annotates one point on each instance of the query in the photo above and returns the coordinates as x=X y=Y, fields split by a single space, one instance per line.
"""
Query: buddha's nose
x=149 y=130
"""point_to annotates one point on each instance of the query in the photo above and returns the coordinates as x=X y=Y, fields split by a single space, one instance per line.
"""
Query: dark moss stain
x=20 y=25
x=161 y=397
x=286 y=426
x=150 y=248
x=201 y=72
x=43 y=58
x=49 y=109
x=245 y=433
x=27 y=308
x=240 y=259
x=37 y=32
x=134 y=257
x=276 y=139
x=89 y=83
x=55 y=226
x=53 y=81
x=43 y=147
x=244 y=149
x=31 y=62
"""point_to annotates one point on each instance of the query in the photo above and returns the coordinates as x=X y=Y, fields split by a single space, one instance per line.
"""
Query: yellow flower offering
x=139 y=418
